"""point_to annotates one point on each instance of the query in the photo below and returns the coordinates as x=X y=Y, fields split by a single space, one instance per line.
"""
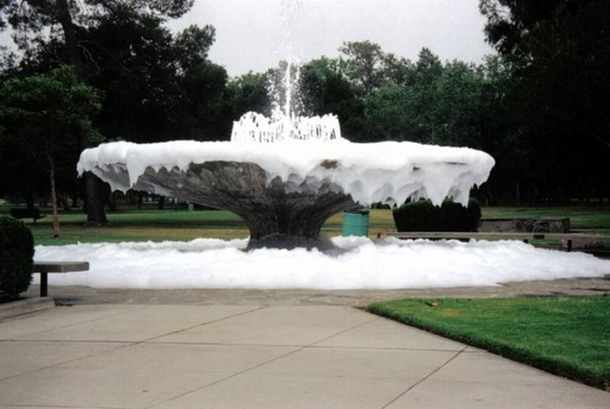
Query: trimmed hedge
x=422 y=215
x=16 y=257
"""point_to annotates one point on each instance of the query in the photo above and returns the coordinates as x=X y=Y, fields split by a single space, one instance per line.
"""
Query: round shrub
x=422 y=215
x=16 y=257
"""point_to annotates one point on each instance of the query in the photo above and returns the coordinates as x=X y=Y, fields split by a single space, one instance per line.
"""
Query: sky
x=363 y=264
x=253 y=35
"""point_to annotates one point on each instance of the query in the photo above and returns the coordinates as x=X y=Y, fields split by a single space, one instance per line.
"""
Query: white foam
x=256 y=128
x=389 y=264
x=388 y=172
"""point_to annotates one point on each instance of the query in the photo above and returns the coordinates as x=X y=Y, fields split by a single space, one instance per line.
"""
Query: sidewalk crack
x=409 y=389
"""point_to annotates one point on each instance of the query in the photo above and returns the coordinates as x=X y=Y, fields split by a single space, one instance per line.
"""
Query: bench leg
x=43 y=284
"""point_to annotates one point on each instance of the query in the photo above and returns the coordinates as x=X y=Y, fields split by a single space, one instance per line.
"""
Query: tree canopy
x=539 y=105
x=559 y=52
x=44 y=119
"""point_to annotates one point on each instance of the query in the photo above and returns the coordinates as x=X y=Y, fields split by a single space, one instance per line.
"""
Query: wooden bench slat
x=569 y=238
x=46 y=267
x=573 y=236
x=463 y=235
x=59 y=266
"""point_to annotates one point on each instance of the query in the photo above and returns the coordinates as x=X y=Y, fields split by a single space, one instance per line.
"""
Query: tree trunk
x=29 y=200
x=67 y=25
x=74 y=198
x=94 y=200
x=55 y=217
x=65 y=202
x=113 y=201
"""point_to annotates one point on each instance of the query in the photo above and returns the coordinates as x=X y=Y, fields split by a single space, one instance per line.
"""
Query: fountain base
x=283 y=241
x=277 y=215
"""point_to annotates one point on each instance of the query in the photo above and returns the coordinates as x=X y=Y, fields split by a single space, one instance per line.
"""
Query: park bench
x=461 y=235
x=568 y=238
x=46 y=267
x=34 y=214
x=571 y=238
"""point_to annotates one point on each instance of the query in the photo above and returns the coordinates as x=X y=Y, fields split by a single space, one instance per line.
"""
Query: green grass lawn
x=149 y=223
x=567 y=336
x=131 y=224
x=595 y=217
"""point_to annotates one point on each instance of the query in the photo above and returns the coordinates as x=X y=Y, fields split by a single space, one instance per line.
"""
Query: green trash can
x=356 y=222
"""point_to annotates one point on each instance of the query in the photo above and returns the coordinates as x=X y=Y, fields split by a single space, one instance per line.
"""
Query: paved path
x=354 y=298
x=108 y=349
x=180 y=356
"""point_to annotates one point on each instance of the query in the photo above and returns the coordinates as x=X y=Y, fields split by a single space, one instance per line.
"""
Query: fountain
x=285 y=179
x=286 y=175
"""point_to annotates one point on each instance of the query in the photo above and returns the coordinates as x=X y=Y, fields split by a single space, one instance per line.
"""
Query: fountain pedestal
x=276 y=215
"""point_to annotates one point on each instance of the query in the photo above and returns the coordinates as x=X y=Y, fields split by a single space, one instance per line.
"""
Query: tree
x=428 y=67
x=157 y=86
x=560 y=51
x=247 y=93
x=58 y=28
x=201 y=114
x=35 y=20
x=500 y=135
x=193 y=44
x=327 y=90
x=49 y=115
x=199 y=111
x=428 y=72
x=364 y=64
x=459 y=103
x=407 y=104
x=392 y=113
x=398 y=71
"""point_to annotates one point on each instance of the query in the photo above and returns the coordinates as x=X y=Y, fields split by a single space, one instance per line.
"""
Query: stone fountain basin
x=369 y=172
x=285 y=191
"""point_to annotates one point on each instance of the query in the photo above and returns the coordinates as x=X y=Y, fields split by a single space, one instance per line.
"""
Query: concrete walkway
x=260 y=355
x=355 y=298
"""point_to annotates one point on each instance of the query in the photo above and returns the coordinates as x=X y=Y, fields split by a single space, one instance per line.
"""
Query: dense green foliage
x=46 y=118
x=50 y=115
x=422 y=215
x=16 y=255
x=568 y=336
x=539 y=106
x=558 y=52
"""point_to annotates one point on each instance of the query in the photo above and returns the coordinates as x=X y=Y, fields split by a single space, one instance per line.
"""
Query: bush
x=380 y=205
x=422 y=215
x=16 y=257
